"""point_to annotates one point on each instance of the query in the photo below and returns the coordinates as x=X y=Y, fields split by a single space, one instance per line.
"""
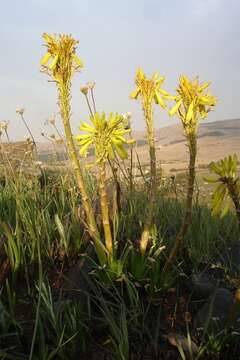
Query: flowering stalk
x=52 y=121
x=191 y=105
x=84 y=90
x=61 y=51
x=91 y=87
x=106 y=135
x=4 y=127
x=150 y=91
x=20 y=111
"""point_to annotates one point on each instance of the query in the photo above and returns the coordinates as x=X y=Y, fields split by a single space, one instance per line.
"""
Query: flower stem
x=192 y=144
x=105 y=210
x=93 y=101
x=89 y=106
x=148 y=113
x=28 y=129
x=64 y=101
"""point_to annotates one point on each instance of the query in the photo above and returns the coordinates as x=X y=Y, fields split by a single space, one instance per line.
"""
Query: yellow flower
x=191 y=101
x=150 y=89
x=61 y=60
x=106 y=135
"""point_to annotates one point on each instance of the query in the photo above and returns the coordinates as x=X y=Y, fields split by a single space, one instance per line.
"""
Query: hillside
x=215 y=140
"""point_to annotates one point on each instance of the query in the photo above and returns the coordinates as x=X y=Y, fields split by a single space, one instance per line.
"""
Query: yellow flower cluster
x=192 y=101
x=60 y=60
x=106 y=135
x=150 y=89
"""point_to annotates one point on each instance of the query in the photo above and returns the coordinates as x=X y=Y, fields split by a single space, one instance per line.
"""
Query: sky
x=191 y=37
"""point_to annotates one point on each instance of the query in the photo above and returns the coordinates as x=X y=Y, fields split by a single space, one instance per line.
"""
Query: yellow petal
x=87 y=127
x=121 y=151
x=203 y=86
x=208 y=100
x=175 y=108
x=140 y=74
x=158 y=100
x=84 y=149
x=78 y=61
x=134 y=94
x=53 y=63
x=163 y=92
x=45 y=58
x=190 y=112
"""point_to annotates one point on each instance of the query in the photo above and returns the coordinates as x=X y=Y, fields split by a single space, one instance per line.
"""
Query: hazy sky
x=192 y=37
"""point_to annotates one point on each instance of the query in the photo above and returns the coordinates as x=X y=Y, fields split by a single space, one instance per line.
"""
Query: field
x=53 y=287
x=117 y=244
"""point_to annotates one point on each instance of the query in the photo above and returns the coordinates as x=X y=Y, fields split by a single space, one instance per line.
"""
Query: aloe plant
x=228 y=188
x=150 y=92
x=60 y=63
x=106 y=135
x=192 y=104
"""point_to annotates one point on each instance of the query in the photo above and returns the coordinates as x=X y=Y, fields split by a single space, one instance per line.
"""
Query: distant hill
x=215 y=140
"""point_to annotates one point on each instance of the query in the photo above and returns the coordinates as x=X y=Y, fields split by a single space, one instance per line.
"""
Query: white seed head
x=52 y=120
x=84 y=89
x=20 y=111
x=90 y=85
x=4 y=125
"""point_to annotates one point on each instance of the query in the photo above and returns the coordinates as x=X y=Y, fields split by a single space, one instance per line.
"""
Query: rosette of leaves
x=228 y=186
x=106 y=135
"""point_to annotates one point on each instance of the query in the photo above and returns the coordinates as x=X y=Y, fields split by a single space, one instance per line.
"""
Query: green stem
x=64 y=101
x=192 y=143
x=148 y=112
x=105 y=210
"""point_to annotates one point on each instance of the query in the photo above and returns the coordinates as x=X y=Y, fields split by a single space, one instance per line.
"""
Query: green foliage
x=227 y=184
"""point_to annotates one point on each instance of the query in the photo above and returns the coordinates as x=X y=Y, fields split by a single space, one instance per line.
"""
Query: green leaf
x=121 y=151
x=210 y=180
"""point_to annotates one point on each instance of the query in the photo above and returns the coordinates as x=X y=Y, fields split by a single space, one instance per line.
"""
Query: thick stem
x=105 y=210
x=64 y=101
x=188 y=211
x=148 y=112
